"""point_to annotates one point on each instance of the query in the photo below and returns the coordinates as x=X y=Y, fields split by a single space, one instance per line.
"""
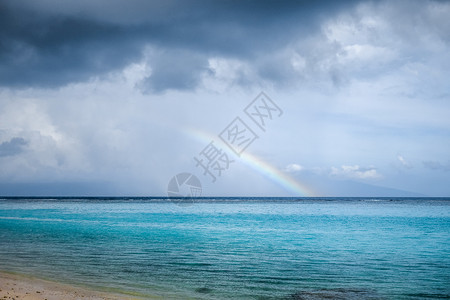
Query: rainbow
x=256 y=163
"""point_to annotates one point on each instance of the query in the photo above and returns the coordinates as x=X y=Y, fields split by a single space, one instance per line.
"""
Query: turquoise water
x=271 y=249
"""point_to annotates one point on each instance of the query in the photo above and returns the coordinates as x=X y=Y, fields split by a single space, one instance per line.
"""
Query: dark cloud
x=180 y=70
x=13 y=147
x=53 y=43
x=54 y=51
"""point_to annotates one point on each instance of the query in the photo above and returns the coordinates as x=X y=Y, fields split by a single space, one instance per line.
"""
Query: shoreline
x=21 y=286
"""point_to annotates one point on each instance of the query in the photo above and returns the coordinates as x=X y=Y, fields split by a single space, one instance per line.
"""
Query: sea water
x=266 y=248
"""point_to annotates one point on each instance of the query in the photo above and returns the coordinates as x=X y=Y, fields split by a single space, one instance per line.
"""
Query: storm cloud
x=12 y=147
x=54 y=44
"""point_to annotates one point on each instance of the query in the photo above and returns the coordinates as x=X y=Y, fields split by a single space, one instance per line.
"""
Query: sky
x=252 y=98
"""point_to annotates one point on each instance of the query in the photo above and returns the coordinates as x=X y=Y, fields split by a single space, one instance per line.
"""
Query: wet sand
x=14 y=286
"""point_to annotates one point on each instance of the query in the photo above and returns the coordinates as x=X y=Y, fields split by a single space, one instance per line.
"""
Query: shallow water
x=354 y=248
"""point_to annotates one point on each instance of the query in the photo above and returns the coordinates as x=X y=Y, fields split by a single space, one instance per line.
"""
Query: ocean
x=234 y=248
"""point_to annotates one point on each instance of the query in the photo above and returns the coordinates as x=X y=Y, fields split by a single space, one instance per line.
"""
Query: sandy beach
x=14 y=286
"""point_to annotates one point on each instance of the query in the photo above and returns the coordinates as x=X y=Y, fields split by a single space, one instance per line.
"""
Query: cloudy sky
x=117 y=97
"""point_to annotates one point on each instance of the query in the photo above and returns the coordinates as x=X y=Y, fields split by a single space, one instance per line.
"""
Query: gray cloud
x=175 y=69
x=436 y=165
x=13 y=147
x=53 y=51
x=51 y=44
